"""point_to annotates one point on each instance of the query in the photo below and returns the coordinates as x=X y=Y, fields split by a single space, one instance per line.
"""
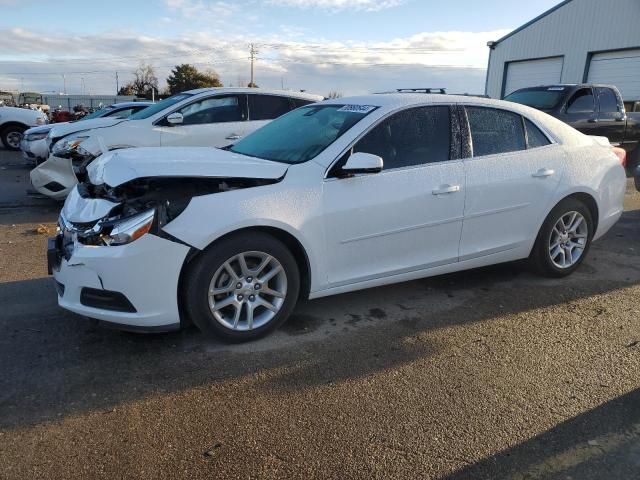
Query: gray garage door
x=532 y=73
x=621 y=68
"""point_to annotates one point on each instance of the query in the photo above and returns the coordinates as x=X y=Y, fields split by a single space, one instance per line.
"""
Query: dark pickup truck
x=592 y=109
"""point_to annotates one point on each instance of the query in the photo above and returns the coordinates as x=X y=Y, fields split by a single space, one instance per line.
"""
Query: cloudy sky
x=349 y=46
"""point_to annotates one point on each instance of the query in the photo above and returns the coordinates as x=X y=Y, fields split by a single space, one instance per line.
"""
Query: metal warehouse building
x=595 y=41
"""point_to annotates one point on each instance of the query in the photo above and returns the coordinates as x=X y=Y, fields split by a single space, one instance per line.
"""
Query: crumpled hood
x=67 y=128
x=120 y=166
x=81 y=210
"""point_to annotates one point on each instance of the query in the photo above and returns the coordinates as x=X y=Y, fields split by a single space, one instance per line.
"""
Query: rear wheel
x=564 y=239
x=11 y=136
x=242 y=287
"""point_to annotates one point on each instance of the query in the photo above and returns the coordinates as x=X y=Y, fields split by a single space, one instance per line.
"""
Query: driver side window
x=582 y=101
x=212 y=110
x=412 y=137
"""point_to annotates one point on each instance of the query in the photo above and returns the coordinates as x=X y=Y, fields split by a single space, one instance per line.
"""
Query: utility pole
x=64 y=80
x=117 y=86
x=253 y=52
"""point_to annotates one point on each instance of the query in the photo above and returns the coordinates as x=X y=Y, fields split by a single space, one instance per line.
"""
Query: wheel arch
x=290 y=241
x=10 y=123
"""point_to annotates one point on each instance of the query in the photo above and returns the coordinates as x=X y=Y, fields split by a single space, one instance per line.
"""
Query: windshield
x=302 y=134
x=544 y=98
x=97 y=114
x=158 y=107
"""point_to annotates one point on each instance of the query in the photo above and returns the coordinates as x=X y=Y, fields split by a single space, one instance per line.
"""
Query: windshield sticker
x=555 y=89
x=357 y=108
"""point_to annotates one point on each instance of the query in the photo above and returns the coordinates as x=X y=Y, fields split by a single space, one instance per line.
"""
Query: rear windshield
x=302 y=134
x=158 y=107
x=541 y=98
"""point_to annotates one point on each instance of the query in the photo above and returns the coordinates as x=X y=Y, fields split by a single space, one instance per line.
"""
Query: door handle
x=446 y=189
x=593 y=120
x=234 y=136
x=543 y=173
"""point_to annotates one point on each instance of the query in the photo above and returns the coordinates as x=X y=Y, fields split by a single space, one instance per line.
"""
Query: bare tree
x=144 y=79
x=334 y=94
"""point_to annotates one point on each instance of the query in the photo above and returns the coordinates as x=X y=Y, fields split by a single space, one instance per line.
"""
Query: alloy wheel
x=568 y=240
x=14 y=139
x=247 y=291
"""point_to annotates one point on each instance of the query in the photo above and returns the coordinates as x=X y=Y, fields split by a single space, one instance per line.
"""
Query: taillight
x=621 y=153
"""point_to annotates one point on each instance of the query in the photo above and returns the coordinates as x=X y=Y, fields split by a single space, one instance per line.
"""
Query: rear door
x=611 y=116
x=264 y=108
x=407 y=217
x=510 y=180
x=214 y=121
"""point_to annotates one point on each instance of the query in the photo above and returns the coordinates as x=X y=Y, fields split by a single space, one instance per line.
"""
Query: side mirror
x=361 y=162
x=175 y=118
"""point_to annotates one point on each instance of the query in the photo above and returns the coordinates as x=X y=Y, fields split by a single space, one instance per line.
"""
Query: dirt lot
x=488 y=374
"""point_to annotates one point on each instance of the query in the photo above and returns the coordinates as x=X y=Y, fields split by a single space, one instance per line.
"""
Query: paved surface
x=488 y=374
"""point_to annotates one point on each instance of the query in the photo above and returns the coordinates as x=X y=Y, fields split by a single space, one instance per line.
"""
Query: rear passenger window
x=535 y=137
x=581 y=102
x=495 y=131
x=411 y=137
x=267 y=107
x=607 y=99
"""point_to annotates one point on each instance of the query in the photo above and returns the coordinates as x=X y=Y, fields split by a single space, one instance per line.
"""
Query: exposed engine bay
x=139 y=206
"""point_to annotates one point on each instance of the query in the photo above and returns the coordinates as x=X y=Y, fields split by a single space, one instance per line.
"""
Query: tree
x=187 y=77
x=252 y=85
x=127 y=90
x=334 y=94
x=144 y=80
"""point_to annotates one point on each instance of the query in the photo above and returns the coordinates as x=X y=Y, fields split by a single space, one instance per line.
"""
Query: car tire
x=246 y=292
x=11 y=136
x=558 y=252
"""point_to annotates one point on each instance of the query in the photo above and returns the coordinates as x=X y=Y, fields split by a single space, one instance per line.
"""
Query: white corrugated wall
x=572 y=31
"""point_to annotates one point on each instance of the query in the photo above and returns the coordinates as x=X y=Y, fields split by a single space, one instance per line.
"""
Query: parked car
x=14 y=121
x=591 y=109
x=336 y=196
x=212 y=117
x=34 y=142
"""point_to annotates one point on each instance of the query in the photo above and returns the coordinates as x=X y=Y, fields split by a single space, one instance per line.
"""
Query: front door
x=214 y=121
x=407 y=217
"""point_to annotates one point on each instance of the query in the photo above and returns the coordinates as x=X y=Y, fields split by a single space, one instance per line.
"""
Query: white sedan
x=332 y=197
x=206 y=117
x=35 y=147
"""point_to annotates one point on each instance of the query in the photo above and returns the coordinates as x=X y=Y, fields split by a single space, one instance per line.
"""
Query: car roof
x=129 y=104
x=264 y=91
x=568 y=85
x=387 y=103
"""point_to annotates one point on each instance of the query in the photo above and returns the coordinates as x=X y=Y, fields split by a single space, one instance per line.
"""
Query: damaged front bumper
x=134 y=286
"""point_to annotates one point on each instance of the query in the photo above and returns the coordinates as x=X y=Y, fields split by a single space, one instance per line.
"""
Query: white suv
x=209 y=117
x=14 y=121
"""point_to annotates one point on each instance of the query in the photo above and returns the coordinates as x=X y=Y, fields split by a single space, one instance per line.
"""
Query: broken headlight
x=128 y=229
x=67 y=147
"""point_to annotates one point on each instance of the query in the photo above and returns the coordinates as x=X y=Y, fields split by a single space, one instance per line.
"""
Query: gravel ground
x=488 y=374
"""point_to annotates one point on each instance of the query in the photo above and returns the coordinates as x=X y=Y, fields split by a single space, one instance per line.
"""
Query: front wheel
x=11 y=136
x=564 y=239
x=242 y=287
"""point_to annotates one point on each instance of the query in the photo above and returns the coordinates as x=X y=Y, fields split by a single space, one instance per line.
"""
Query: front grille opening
x=54 y=187
x=106 y=300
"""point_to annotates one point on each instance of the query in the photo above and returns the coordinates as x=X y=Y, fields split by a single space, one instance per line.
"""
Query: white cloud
x=367 y=5
x=452 y=59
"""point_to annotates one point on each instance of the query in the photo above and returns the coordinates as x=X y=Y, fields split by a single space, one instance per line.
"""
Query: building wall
x=573 y=30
